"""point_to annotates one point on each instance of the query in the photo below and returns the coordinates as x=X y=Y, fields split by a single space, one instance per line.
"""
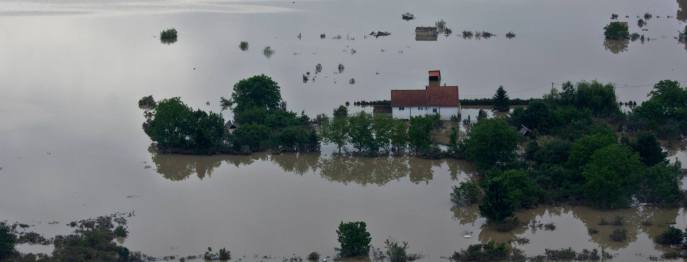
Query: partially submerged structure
x=430 y=33
x=434 y=99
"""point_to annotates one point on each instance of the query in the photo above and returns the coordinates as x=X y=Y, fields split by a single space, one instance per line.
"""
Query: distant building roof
x=446 y=96
x=434 y=73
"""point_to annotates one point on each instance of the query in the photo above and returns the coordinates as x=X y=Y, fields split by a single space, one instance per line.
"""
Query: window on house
x=434 y=110
x=420 y=108
x=401 y=108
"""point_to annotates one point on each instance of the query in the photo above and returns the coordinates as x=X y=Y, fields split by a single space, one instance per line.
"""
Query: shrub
x=616 y=31
x=491 y=142
x=313 y=256
x=490 y=251
x=395 y=251
x=224 y=254
x=243 y=45
x=671 y=236
x=467 y=193
x=354 y=239
x=147 y=102
x=168 y=36
x=120 y=231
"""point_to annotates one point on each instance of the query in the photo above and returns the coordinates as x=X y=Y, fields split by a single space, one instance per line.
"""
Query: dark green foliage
x=92 y=241
x=617 y=31
x=313 y=256
x=467 y=193
x=536 y=116
x=120 y=231
x=168 y=36
x=335 y=131
x=650 y=151
x=224 y=254
x=599 y=98
x=612 y=175
x=520 y=188
x=665 y=112
x=501 y=100
x=243 y=45
x=382 y=127
x=397 y=252
x=354 y=239
x=497 y=204
x=341 y=111
x=147 y=102
x=399 y=135
x=556 y=151
x=491 y=251
x=661 y=184
x=175 y=126
x=491 y=143
x=584 y=147
x=420 y=132
x=360 y=132
x=672 y=236
x=259 y=92
x=253 y=136
x=7 y=241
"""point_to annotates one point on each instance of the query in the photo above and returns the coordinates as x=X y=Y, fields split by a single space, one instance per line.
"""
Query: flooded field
x=72 y=147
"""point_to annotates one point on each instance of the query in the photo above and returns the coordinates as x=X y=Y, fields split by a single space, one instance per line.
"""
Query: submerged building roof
x=444 y=96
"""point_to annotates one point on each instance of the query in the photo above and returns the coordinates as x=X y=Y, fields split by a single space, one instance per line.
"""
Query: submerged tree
x=491 y=143
x=616 y=31
x=354 y=239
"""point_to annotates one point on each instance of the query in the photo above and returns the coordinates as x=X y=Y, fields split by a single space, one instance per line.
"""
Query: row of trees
x=372 y=135
x=261 y=122
x=576 y=150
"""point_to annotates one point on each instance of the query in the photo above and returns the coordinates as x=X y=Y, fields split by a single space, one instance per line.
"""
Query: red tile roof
x=431 y=96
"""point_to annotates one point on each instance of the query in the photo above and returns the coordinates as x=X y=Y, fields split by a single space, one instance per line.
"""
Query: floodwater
x=71 y=144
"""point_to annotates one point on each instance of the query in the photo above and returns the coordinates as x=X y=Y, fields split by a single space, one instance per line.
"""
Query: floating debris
x=337 y=37
x=299 y=36
x=168 y=36
x=447 y=32
x=243 y=45
x=353 y=51
x=268 y=52
x=407 y=16
x=429 y=33
x=323 y=36
x=510 y=35
x=614 y=16
x=486 y=34
x=318 y=68
x=305 y=78
x=351 y=81
x=380 y=33
x=467 y=34
x=341 y=69
x=634 y=36
x=641 y=23
x=440 y=25
x=647 y=16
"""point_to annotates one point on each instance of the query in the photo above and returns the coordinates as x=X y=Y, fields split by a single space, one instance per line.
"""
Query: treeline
x=577 y=146
x=261 y=122
x=380 y=134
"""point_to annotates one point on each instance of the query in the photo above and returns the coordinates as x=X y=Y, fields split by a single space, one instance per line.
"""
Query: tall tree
x=612 y=176
x=256 y=92
x=496 y=205
x=491 y=142
x=354 y=239
x=650 y=151
x=501 y=100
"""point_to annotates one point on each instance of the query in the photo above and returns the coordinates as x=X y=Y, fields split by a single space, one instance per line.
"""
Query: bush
x=467 y=193
x=354 y=239
x=491 y=142
x=243 y=45
x=313 y=256
x=120 y=231
x=7 y=241
x=490 y=251
x=168 y=36
x=671 y=236
x=147 y=102
x=617 y=31
x=395 y=251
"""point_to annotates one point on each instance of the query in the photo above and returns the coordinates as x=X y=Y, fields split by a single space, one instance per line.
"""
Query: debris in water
x=352 y=81
x=407 y=16
x=380 y=33
x=510 y=35
x=243 y=45
x=305 y=78
x=614 y=16
x=647 y=16
x=322 y=36
x=641 y=23
x=467 y=34
x=299 y=36
x=318 y=68
x=337 y=37
x=341 y=69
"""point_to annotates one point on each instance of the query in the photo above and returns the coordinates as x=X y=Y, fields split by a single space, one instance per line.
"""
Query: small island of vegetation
x=168 y=36
x=617 y=30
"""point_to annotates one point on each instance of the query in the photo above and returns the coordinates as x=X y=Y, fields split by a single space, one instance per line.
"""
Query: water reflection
x=344 y=169
x=651 y=221
x=616 y=46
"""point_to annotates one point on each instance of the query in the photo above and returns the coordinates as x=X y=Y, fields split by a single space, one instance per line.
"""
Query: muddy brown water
x=71 y=144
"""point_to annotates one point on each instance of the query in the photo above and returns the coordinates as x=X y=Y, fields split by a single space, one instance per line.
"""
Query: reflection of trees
x=297 y=163
x=178 y=167
x=363 y=170
x=682 y=10
x=591 y=218
x=421 y=169
x=616 y=46
x=466 y=214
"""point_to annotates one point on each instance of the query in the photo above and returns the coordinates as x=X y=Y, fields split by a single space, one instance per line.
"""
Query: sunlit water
x=71 y=144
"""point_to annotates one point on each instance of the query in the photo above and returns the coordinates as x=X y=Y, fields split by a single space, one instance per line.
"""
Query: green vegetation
x=491 y=251
x=467 y=193
x=491 y=143
x=354 y=239
x=147 y=102
x=398 y=252
x=7 y=241
x=120 y=231
x=617 y=31
x=243 y=45
x=168 y=36
x=671 y=237
x=501 y=100
x=313 y=256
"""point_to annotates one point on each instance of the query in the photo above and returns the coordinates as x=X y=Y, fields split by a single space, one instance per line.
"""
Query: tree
x=661 y=184
x=672 y=236
x=399 y=135
x=491 y=142
x=341 y=111
x=496 y=205
x=453 y=147
x=7 y=241
x=360 y=132
x=617 y=31
x=583 y=148
x=354 y=239
x=650 y=151
x=501 y=100
x=520 y=188
x=336 y=131
x=382 y=127
x=537 y=116
x=255 y=92
x=612 y=175
x=597 y=97
x=420 y=133
x=253 y=136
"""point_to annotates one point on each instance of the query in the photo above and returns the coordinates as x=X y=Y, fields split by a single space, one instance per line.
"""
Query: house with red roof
x=436 y=99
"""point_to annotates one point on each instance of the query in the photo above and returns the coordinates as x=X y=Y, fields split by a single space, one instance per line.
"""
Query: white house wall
x=445 y=113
